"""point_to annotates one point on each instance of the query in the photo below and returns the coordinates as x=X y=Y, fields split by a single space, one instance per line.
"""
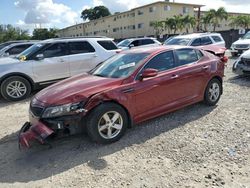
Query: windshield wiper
x=100 y=75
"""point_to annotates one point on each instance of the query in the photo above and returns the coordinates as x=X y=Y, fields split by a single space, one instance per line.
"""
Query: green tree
x=206 y=20
x=8 y=32
x=95 y=13
x=189 y=21
x=42 y=34
x=158 y=27
x=240 y=21
x=217 y=16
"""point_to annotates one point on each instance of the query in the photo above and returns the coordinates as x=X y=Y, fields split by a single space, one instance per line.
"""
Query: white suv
x=138 y=42
x=241 y=45
x=50 y=61
x=197 y=39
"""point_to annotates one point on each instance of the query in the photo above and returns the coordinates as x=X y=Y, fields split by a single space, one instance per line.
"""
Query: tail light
x=118 y=51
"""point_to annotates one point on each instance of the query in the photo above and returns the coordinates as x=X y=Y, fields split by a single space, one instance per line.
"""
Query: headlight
x=67 y=109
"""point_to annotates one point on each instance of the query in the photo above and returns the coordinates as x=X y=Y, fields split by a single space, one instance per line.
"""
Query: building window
x=140 y=12
x=152 y=9
x=185 y=10
x=140 y=25
x=167 y=8
x=115 y=30
x=132 y=14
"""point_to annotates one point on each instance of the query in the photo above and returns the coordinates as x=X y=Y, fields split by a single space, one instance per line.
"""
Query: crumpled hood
x=242 y=41
x=75 y=89
x=8 y=60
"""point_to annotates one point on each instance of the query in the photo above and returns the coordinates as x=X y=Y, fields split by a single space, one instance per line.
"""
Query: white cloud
x=46 y=12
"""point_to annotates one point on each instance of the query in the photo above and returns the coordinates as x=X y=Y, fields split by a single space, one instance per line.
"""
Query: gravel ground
x=197 y=146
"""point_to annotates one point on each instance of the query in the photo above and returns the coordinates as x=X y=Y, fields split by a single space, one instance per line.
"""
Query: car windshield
x=124 y=43
x=246 y=36
x=178 y=41
x=120 y=65
x=31 y=50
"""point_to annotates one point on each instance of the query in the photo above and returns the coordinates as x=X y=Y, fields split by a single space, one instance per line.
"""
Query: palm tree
x=217 y=16
x=189 y=22
x=170 y=23
x=158 y=27
x=240 y=21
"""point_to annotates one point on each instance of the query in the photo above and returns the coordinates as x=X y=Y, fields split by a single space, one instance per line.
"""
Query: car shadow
x=240 y=80
x=40 y=162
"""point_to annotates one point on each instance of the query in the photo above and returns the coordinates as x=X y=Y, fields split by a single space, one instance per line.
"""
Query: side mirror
x=148 y=73
x=39 y=57
x=131 y=46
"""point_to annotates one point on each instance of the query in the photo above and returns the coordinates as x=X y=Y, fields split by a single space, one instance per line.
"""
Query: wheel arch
x=28 y=78
x=130 y=119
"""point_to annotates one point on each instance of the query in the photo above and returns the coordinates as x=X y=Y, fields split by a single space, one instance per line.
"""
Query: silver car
x=49 y=61
x=15 y=49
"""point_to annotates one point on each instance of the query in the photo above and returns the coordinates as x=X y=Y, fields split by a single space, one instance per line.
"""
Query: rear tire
x=107 y=123
x=15 y=88
x=213 y=92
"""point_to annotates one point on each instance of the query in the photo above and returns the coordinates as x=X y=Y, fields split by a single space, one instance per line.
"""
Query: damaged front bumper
x=30 y=133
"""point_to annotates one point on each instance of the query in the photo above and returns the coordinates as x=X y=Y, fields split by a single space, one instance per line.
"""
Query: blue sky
x=62 y=13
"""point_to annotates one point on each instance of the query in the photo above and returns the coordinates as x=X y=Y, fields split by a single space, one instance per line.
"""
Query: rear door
x=55 y=64
x=82 y=57
x=192 y=73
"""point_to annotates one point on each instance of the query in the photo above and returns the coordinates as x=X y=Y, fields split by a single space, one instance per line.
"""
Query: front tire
x=107 y=123
x=213 y=92
x=15 y=88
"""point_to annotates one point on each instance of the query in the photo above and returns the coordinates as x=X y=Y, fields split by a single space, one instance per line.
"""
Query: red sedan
x=129 y=88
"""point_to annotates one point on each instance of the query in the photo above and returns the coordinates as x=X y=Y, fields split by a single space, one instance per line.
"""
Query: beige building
x=132 y=23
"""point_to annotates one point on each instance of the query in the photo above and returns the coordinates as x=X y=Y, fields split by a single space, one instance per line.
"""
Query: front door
x=54 y=65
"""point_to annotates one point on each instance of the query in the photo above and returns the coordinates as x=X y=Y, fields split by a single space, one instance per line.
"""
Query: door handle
x=205 y=67
x=61 y=60
x=174 y=76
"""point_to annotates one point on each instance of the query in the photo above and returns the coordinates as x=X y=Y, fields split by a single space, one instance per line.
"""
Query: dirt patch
x=198 y=146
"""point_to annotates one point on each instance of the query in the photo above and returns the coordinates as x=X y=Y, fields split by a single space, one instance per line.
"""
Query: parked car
x=138 y=42
x=15 y=49
x=242 y=65
x=131 y=87
x=2 y=45
x=197 y=39
x=49 y=61
x=241 y=45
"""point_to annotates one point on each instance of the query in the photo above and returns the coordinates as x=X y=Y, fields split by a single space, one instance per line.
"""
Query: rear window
x=206 y=41
x=107 y=45
x=216 y=38
x=80 y=47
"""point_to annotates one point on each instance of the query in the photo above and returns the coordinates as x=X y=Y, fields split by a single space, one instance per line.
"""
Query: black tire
x=12 y=79
x=96 y=116
x=207 y=98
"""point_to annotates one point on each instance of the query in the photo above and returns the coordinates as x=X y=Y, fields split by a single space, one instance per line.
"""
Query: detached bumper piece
x=30 y=133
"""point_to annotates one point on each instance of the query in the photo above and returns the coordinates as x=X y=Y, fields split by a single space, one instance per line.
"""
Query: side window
x=216 y=38
x=80 y=47
x=206 y=41
x=196 y=42
x=107 y=45
x=56 y=50
x=136 y=43
x=147 y=41
x=18 y=49
x=161 y=62
x=199 y=54
x=186 y=56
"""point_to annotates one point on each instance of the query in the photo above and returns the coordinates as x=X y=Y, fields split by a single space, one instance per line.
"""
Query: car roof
x=156 y=49
x=76 y=39
x=196 y=35
x=141 y=38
